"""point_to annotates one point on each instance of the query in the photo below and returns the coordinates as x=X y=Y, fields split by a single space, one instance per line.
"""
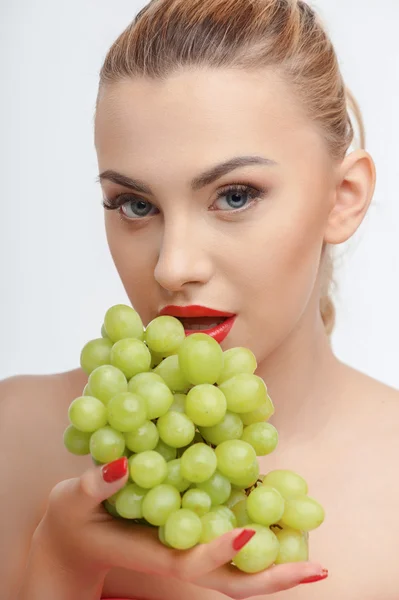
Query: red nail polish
x=115 y=470
x=243 y=538
x=314 y=578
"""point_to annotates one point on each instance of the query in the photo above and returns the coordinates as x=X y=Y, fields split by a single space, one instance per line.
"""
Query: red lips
x=193 y=311
x=218 y=332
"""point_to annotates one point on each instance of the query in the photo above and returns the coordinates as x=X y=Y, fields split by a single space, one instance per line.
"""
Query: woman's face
x=253 y=250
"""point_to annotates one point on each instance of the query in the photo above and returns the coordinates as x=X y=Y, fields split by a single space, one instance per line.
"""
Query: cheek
x=135 y=260
x=279 y=272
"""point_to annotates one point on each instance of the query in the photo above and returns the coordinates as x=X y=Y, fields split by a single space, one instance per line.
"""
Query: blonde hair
x=285 y=35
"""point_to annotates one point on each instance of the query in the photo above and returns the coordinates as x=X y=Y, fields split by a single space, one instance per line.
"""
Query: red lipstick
x=203 y=316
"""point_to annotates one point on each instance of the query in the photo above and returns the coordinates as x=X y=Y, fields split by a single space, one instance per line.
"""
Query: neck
x=301 y=377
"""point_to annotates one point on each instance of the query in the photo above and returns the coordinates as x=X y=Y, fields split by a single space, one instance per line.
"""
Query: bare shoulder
x=355 y=479
x=22 y=386
x=371 y=399
x=33 y=417
x=371 y=484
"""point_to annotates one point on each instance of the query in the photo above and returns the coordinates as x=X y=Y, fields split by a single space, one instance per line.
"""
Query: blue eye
x=136 y=209
x=236 y=197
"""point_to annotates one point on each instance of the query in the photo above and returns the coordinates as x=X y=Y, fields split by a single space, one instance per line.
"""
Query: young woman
x=223 y=139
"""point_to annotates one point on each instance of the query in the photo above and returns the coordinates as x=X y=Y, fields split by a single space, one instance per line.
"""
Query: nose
x=183 y=257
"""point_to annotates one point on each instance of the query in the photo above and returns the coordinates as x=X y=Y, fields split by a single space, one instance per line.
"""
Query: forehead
x=204 y=114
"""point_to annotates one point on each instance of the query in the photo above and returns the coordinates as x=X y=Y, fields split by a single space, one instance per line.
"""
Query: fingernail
x=313 y=578
x=115 y=470
x=243 y=538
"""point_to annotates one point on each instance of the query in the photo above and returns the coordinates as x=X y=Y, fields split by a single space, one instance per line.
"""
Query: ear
x=354 y=189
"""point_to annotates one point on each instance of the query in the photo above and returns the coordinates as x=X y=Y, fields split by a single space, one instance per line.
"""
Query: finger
x=84 y=494
x=139 y=548
x=238 y=585
x=208 y=562
x=204 y=558
x=101 y=483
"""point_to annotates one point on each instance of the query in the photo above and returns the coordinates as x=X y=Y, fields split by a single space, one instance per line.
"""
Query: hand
x=81 y=537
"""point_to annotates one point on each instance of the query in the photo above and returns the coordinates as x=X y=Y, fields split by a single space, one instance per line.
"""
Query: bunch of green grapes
x=192 y=420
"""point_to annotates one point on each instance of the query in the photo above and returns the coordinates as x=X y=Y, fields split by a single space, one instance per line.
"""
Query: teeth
x=202 y=327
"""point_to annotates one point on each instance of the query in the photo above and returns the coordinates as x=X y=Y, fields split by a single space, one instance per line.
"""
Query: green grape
x=126 y=412
x=111 y=510
x=175 y=429
x=174 y=476
x=235 y=497
x=161 y=501
x=112 y=499
x=213 y=526
x=127 y=452
x=123 y=321
x=166 y=451
x=293 y=546
x=183 y=529
x=230 y=428
x=95 y=354
x=142 y=379
x=87 y=414
x=148 y=469
x=144 y=438
x=200 y=359
x=244 y=392
x=179 y=403
x=156 y=359
x=218 y=488
x=76 y=441
x=158 y=398
x=302 y=513
x=198 y=463
x=247 y=478
x=265 y=505
x=161 y=536
x=263 y=413
x=198 y=439
x=263 y=437
x=197 y=500
x=129 y=501
x=288 y=483
x=103 y=332
x=107 y=444
x=172 y=374
x=226 y=513
x=87 y=390
x=237 y=360
x=260 y=552
x=241 y=513
x=107 y=381
x=164 y=335
x=130 y=356
x=235 y=458
x=205 y=405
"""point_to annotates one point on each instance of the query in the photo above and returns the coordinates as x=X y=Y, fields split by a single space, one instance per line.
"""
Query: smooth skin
x=337 y=426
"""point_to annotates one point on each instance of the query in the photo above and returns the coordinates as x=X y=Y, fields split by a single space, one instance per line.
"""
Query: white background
x=56 y=275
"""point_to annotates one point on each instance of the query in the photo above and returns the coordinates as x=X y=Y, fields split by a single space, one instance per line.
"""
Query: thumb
x=99 y=483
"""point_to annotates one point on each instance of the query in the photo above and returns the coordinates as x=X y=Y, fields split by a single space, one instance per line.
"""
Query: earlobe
x=353 y=194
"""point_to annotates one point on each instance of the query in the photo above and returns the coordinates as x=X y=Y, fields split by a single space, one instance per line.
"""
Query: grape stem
x=258 y=482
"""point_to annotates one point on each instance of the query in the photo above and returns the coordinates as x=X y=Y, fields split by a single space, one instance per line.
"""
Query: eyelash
x=254 y=194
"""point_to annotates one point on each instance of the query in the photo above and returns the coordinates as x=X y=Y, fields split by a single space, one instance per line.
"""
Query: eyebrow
x=206 y=178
